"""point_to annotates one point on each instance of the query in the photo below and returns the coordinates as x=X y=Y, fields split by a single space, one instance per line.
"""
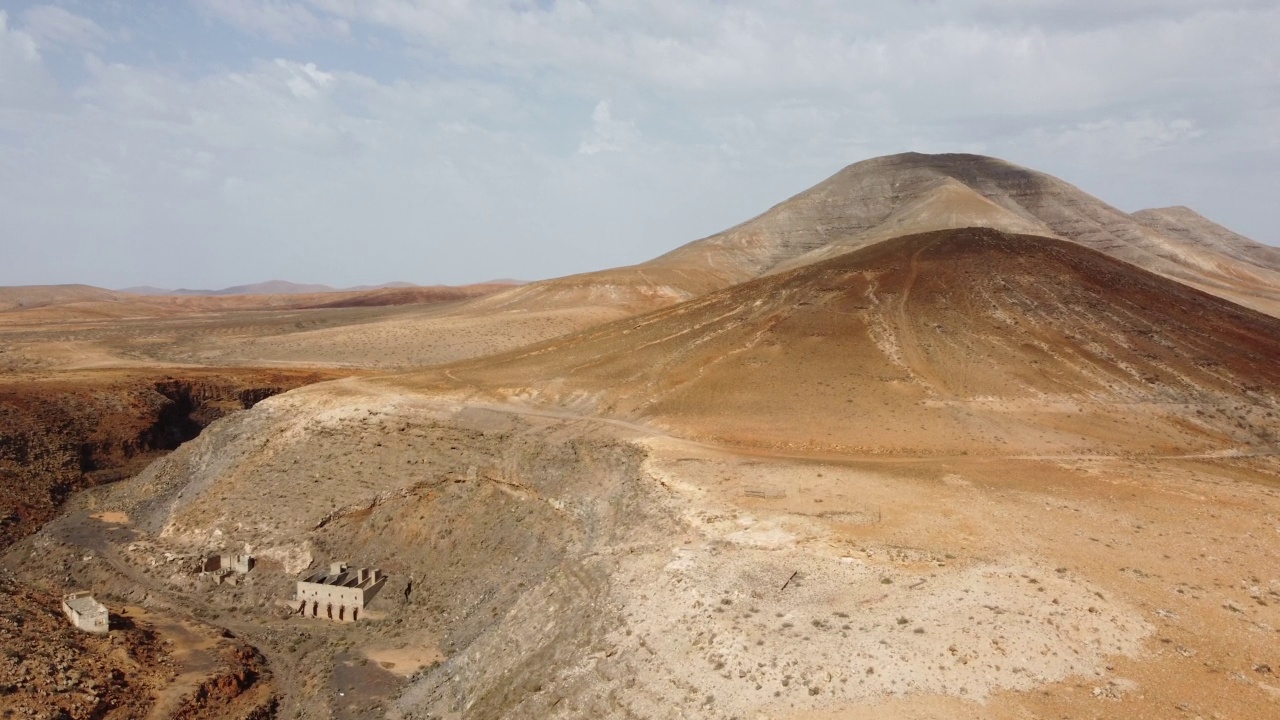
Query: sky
x=207 y=143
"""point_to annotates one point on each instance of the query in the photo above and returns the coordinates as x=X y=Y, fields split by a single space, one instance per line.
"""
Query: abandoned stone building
x=226 y=568
x=86 y=613
x=338 y=593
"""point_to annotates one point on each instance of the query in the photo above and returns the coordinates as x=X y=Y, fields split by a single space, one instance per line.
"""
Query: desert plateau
x=941 y=437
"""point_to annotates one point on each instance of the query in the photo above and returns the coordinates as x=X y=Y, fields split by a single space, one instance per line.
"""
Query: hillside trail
x=912 y=353
x=512 y=407
x=191 y=644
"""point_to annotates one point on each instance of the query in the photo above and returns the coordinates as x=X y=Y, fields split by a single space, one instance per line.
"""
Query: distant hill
x=24 y=297
x=62 y=303
x=272 y=287
x=384 y=286
x=145 y=290
x=405 y=294
x=955 y=341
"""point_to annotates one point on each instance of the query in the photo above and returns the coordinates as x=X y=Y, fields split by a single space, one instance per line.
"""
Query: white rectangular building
x=86 y=613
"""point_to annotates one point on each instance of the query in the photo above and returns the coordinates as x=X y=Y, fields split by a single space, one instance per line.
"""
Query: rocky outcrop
x=58 y=436
x=50 y=668
x=241 y=689
x=496 y=518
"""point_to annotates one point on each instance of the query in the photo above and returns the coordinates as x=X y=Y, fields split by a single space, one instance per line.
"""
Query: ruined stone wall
x=353 y=597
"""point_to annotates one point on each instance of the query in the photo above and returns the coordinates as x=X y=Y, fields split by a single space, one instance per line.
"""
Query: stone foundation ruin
x=339 y=593
x=226 y=568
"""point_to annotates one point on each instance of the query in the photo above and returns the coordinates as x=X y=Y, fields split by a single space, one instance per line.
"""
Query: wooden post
x=788 y=582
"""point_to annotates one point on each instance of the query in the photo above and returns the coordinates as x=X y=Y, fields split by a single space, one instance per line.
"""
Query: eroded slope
x=72 y=431
x=569 y=568
x=953 y=342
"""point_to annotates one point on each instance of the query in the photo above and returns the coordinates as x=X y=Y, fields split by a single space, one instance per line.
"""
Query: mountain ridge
x=885 y=197
x=863 y=202
x=274 y=287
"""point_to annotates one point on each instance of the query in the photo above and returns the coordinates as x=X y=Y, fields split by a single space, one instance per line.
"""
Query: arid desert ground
x=942 y=437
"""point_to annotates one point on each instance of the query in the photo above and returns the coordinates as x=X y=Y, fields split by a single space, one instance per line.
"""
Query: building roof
x=349 y=577
x=85 y=605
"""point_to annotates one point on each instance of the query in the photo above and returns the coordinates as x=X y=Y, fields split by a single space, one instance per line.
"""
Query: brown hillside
x=25 y=297
x=891 y=196
x=870 y=202
x=1191 y=226
x=43 y=304
x=76 y=430
x=970 y=341
x=379 y=297
x=895 y=195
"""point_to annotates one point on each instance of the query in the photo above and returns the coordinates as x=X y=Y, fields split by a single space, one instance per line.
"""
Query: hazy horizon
x=214 y=143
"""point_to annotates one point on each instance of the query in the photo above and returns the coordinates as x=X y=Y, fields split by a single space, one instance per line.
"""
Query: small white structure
x=339 y=593
x=86 y=613
x=225 y=568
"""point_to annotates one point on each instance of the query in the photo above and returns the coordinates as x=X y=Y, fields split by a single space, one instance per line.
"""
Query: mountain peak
x=883 y=197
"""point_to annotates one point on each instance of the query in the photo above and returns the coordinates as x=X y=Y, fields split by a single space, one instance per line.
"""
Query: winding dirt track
x=365 y=386
x=912 y=353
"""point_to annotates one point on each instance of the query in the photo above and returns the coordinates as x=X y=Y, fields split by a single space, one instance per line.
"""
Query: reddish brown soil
x=953 y=342
x=411 y=295
x=44 y=304
x=77 y=430
x=242 y=689
x=50 y=668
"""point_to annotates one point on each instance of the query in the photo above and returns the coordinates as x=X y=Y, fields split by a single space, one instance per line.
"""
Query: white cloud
x=608 y=134
x=951 y=60
x=25 y=84
x=19 y=47
x=1128 y=139
x=306 y=80
x=50 y=24
x=450 y=141
x=276 y=19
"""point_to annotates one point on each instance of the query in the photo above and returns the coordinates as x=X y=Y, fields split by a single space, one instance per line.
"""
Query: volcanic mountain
x=887 y=197
x=866 y=203
x=953 y=342
x=890 y=196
